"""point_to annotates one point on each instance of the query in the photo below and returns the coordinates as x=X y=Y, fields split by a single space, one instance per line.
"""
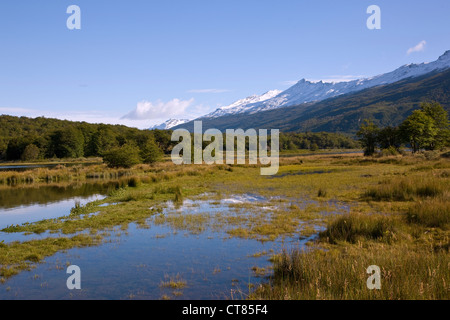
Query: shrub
x=391 y=151
x=314 y=147
x=431 y=155
x=30 y=153
x=150 y=152
x=122 y=157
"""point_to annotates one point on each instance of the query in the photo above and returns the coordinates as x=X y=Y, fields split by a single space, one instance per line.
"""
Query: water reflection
x=23 y=196
x=21 y=168
x=19 y=205
x=133 y=263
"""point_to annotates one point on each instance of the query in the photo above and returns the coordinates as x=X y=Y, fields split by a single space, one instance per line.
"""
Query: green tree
x=125 y=156
x=3 y=147
x=440 y=118
x=368 y=136
x=15 y=148
x=163 y=139
x=419 y=130
x=150 y=152
x=314 y=147
x=101 y=141
x=68 y=143
x=30 y=153
x=389 y=137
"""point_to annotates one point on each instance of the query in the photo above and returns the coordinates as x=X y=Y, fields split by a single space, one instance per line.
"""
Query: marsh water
x=23 y=204
x=26 y=167
x=134 y=263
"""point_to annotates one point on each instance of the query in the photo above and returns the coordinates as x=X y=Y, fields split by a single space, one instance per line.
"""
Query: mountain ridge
x=387 y=104
x=305 y=91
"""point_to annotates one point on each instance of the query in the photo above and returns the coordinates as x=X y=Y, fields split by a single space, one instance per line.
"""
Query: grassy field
x=393 y=212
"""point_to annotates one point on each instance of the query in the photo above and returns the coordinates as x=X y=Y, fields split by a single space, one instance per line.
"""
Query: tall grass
x=134 y=182
x=407 y=189
x=353 y=227
x=406 y=273
x=178 y=194
x=61 y=174
x=432 y=213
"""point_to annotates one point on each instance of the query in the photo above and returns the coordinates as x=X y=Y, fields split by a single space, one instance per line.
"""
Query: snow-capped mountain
x=241 y=105
x=169 y=124
x=307 y=91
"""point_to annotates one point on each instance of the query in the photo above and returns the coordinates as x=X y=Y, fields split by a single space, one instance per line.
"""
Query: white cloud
x=208 y=91
x=146 y=110
x=419 y=47
x=172 y=109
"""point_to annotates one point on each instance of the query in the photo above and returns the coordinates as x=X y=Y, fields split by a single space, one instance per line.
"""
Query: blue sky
x=182 y=59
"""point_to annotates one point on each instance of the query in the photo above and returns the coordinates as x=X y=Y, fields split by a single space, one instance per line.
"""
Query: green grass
x=174 y=282
x=403 y=228
x=407 y=189
x=360 y=227
x=17 y=256
x=434 y=213
x=398 y=219
x=337 y=274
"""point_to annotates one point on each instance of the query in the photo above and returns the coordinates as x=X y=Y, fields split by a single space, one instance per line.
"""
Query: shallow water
x=28 y=205
x=22 y=205
x=299 y=173
x=132 y=264
x=20 y=168
x=29 y=196
x=38 y=212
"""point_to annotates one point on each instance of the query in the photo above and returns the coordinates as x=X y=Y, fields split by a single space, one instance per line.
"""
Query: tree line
x=316 y=140
x=27 y=139
x=425 y=129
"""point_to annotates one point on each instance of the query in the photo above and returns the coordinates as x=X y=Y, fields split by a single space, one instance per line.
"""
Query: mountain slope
x=306 y=91
x=169 y=124
x=387 y=104
x=243 y=104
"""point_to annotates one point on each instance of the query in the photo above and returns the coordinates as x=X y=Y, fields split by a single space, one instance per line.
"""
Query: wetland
x=225 y=232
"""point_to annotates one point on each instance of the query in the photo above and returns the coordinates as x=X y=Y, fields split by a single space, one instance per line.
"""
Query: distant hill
x=387 y=105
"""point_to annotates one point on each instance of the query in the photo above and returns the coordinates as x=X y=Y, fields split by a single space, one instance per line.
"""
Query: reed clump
x=432 y=213
x=406 y=273
x=356 y=227
x=407 y=189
